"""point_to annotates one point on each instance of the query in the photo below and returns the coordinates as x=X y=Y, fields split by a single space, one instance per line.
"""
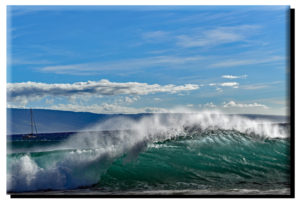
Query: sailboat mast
x=31 y=124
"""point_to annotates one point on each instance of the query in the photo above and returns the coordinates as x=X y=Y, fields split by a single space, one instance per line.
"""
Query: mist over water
x=210 y=147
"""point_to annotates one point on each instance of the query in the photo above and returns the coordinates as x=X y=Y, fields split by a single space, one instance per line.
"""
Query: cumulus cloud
x=239 y=105
x=234 y=77
x=34 y=90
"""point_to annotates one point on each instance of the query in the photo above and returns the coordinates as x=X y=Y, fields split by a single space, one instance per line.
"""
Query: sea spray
x=85 y=158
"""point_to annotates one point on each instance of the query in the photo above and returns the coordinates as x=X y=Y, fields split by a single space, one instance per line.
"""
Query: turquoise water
x=225 y=160
x=188 y=161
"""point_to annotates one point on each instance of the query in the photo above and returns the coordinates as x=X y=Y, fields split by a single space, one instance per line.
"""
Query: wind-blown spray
x=87 y=158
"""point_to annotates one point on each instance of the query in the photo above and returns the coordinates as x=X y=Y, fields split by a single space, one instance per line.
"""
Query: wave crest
x=84 y=157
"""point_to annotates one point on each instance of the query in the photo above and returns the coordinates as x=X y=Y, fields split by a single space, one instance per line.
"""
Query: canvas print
x=148 y=100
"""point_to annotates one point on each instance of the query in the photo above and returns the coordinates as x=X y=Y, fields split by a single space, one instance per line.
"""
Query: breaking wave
x=207 y=150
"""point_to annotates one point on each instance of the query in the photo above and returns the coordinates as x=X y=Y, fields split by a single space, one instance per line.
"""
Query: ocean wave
x=191 y=151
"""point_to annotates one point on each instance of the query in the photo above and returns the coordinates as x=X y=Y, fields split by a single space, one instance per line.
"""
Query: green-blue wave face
x=214 y=160
x=218 y=160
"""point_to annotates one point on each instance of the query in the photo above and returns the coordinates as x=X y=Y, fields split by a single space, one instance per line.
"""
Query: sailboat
x=32 y=126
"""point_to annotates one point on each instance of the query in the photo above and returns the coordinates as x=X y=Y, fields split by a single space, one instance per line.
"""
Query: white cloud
x=234 y=77
x=32 y=90
x=225 y=84
x=239 y=105
x=157 y=99
x=230 y=84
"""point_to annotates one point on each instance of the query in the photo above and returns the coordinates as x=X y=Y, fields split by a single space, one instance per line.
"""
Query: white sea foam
x=91 y=154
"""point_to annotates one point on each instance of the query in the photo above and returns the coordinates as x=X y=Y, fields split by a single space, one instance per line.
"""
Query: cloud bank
x=27 y=90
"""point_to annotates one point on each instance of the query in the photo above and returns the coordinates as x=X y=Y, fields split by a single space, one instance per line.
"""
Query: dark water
x=194 y=161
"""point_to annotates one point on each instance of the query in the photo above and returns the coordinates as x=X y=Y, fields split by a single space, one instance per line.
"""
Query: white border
x=4 y=3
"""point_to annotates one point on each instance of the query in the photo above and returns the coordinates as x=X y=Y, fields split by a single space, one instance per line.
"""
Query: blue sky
x=148 y=59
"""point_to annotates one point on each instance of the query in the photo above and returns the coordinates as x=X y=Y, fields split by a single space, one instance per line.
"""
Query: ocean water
x=205 y=153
